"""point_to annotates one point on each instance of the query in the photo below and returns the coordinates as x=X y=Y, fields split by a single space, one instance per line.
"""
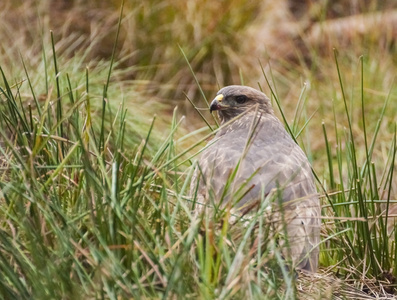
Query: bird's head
x=234 y=100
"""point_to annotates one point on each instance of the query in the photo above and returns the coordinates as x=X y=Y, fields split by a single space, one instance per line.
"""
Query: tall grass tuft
x=82 y=216
x=360 y=196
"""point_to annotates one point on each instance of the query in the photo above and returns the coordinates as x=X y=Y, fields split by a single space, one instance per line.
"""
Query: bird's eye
x=241 y=99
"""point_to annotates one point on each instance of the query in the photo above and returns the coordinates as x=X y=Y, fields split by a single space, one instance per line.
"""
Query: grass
x=93 y=186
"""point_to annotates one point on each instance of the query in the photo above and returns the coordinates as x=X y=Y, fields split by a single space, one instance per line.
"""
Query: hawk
x=252 y=156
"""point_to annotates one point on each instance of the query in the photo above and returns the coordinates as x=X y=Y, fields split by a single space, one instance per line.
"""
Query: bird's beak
x=216 y=104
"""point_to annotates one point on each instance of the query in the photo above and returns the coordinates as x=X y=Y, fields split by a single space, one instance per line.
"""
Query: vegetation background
x=95 y=159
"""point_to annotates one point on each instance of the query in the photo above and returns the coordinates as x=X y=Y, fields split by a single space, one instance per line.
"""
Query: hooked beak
x=216 y=104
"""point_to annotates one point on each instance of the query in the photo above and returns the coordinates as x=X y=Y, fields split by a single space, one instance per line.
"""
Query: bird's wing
x=235 y=168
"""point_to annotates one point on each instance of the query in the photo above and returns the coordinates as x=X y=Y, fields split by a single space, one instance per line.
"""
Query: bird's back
x=265 y=159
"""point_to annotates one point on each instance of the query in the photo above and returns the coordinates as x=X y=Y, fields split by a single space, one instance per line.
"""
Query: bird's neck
x=250 y=121
x=244 y=118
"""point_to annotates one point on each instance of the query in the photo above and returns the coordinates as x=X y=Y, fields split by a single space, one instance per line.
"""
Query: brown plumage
x=254 y=143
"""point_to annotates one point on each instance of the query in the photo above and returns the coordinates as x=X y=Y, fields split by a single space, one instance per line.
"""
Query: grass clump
x=94 y=219
x=364 y=190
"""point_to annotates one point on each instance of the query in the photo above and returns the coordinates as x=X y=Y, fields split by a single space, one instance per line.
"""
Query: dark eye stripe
x=241 y=99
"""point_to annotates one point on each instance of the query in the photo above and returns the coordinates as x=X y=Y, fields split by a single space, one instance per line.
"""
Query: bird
x=251 y=157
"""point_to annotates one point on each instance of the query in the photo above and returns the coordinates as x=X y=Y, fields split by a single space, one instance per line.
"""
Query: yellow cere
x=219 y=98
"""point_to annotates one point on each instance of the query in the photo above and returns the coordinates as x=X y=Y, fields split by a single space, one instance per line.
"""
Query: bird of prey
x=252 y=156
